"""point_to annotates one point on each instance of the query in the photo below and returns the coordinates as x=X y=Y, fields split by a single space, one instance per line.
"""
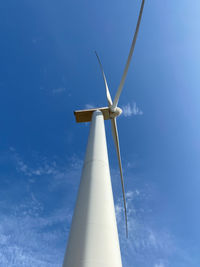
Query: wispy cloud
x=36 y=213
x=146 y=245
x=89 y=106
x=58 y=176
x=44 y=169
x=31 y=238
x=131 y=110
x=160 y=264
x=59 y=90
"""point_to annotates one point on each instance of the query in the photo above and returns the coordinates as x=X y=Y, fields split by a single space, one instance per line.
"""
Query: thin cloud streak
x=131 y=110
x=59 y=90
x=31 y=234
x=31 y=239
x=146 y=245
x=89 y=106
x=159 y=265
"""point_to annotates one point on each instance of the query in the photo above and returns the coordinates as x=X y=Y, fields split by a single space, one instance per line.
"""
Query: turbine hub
x=115 y=113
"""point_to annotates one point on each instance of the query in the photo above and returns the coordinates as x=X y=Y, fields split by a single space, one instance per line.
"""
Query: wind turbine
x=93 y=239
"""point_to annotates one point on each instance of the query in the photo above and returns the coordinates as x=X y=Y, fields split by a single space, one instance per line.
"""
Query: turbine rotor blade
x=116 y=100
x=116 y=140
x=109 y=99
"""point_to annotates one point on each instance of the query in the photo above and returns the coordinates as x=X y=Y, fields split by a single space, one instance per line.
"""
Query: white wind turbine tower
x=93 y=239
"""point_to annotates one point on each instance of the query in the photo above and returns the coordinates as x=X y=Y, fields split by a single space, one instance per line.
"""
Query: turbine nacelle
x=115 y=112
x=86 y=114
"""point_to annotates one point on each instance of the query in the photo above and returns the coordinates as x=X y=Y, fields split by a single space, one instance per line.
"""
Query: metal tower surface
x=93 y=239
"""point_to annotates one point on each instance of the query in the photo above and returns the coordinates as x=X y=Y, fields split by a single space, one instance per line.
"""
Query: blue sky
x=48 y=69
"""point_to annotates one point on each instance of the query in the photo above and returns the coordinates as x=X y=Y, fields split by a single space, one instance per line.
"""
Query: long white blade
x=109 y=99
x=116 y=100
x=116 y=140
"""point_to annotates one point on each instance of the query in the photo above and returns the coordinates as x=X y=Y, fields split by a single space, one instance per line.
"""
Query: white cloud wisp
x=131 y=110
